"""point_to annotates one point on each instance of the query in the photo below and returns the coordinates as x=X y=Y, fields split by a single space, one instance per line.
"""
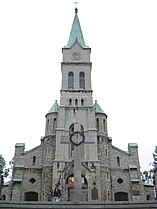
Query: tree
x=147 y=176
x=3 y=172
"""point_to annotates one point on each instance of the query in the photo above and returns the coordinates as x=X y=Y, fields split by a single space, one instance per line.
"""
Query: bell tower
x=76 y=107
x=76 y=103
x=76 y=67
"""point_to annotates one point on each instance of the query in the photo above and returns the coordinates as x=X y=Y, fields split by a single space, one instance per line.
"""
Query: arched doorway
x=121 y=196
x=70 y=187
x=3 y=197
x=31 y=196
x=148 y=197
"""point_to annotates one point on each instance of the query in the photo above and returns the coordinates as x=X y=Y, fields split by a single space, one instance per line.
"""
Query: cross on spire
x=76 y=3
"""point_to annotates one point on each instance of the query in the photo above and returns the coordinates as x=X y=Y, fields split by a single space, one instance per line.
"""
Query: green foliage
x=2 y=164
x=147 y=176
x=3 y=171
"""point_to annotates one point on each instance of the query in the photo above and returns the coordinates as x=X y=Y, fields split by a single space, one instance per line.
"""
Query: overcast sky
x=123 y=37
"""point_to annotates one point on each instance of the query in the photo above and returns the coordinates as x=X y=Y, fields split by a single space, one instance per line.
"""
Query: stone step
x=78 y=205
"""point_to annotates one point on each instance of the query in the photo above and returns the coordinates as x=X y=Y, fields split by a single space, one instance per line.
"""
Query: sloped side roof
x=76 y=33
x=54 y=108
x=98 y=109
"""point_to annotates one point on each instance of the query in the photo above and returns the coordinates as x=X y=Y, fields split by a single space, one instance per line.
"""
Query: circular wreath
x=74 y=133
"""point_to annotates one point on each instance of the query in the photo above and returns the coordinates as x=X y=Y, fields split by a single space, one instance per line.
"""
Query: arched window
x=54 y=124
x=3 y=197
x=47 y=125
x=82 y=80
x=148 y=197
x=34 y=160
x=118 y=161
x=97 y=124
x=70 y=80
x=104 y=125
x=76 y=102
x=70 y=101
x=82 y=102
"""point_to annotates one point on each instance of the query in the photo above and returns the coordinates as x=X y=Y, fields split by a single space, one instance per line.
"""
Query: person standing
x=56 y=194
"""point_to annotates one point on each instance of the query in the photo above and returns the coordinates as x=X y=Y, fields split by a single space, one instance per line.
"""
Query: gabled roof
x=54 y=108
x=76 y=34
x=98 y=109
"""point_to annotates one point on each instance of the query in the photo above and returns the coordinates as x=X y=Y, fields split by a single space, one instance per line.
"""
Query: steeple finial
x=76 y=9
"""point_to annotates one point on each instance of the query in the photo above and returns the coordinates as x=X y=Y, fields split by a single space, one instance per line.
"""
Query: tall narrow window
x=82 y=102
x=106 y=152
x=107 y=175
x=34 y=160
x=76 y=102
x=47 y=125
x=118 y=161
x=70 y=101
x=82 y=80
x=45 y=151
x=54 y=124
x=97 y=123
x=44 y=176
x=104 y=125
x=70 y=80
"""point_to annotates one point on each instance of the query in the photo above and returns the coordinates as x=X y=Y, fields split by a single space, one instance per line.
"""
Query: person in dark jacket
x=56 y=194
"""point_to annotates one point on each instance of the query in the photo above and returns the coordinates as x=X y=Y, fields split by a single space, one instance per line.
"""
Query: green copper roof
x=98 y=109
x=17 y=179
x=20 y=145
x=76 y=33
x=134 y=180
x=18 y=165
x=132 y=166
x=132 y=145
x=54 y=108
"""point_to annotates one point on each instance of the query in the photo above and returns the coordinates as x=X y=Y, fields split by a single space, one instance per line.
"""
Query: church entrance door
x=121 y=196
x=31 y=196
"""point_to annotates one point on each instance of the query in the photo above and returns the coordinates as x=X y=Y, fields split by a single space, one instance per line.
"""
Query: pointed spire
x=98 y=109
x=54 y=108
x=76 y=33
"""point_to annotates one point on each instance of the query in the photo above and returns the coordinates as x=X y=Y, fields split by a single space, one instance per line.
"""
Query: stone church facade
x=108 y=173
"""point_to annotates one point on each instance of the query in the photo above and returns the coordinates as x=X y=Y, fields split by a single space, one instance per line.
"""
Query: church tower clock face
x=76 y=55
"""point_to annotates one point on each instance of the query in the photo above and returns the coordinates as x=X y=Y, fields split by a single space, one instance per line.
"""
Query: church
x=107 y=172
